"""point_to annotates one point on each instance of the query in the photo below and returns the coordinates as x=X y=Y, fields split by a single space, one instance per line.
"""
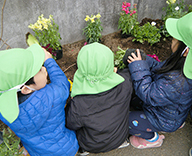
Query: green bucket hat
x=181 y=29
x=95 y=73
x=17 y=66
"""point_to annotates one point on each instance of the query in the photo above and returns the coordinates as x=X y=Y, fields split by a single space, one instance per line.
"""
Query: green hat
x=181 y=29
x=16 y=67
x=95 y=73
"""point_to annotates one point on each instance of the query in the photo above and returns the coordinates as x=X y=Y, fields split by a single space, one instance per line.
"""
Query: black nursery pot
x=59 y=53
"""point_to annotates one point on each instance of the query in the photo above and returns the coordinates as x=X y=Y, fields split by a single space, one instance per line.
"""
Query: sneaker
x=125 y=144
x=82 y=152
x=190 y=152
x=140 y=143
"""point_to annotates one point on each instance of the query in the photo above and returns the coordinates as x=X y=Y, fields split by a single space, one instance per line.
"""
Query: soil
x=70 y=51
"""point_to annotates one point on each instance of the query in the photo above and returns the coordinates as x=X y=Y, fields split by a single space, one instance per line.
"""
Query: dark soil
x=70 y=51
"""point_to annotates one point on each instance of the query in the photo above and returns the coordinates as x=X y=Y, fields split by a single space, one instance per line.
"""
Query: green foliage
x=118 y=58
x=147 y=32
x=174 y=9
x=47 y=32
x=10 y=145
x=128 y=18
x=93 y=29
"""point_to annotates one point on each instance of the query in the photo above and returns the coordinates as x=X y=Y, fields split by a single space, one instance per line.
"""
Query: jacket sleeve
x=152 y=63
x=59 y=82
x=73 y=119
x=149 y=91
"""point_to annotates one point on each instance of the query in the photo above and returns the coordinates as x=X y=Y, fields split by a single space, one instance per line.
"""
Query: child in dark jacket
x=99 y=110
x=162 y=87
x=37 y=116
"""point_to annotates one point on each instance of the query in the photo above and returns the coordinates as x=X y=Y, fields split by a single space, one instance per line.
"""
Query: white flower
x=153 y=23
x=177 y=8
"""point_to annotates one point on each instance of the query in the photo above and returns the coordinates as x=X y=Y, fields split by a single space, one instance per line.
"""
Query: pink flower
x=128 y=4
x=124 y=6
x=124 y=9
x=134 y=12
x=131 y=14
x=127 y=11
x=154 y=56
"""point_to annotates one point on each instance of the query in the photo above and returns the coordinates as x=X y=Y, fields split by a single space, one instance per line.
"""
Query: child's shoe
x=141 y=143
x=82 y=152
x=125 y=144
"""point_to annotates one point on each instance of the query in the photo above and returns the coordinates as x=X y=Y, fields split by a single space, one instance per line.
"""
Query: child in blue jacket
x=33 y=109
x=162 y=87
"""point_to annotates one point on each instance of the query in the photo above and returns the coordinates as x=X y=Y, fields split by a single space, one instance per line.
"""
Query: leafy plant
x=10 y=145
x=147 y=32
x=174 y=9
x=128 y=18
x=47 y=33
x=93 y=29
x=118 y=58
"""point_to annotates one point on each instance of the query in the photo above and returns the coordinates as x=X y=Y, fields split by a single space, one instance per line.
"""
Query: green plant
x=118 y=58
x=47 y=32
x=174 y=9
x=128 y=18
x=93 y=29
x=10 y=145
x=148 y=32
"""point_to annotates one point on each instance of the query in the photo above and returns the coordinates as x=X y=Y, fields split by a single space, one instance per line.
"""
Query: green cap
x=16 y=67
x=181 y=29
x=95 y=73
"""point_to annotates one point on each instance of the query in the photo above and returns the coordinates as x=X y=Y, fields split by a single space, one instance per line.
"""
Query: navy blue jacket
x=167 y=97
x=41 y=121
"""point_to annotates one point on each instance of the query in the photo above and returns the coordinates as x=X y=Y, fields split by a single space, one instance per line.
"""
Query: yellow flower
x=38 y=26
x=87 y=18
x=172 y=1
x=98 y=15
x=92 y=20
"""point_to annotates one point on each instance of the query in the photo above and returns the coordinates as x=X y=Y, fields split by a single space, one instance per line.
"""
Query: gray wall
x=69 y=15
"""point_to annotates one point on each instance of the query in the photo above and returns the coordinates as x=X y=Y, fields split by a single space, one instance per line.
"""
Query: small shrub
x=147 y=32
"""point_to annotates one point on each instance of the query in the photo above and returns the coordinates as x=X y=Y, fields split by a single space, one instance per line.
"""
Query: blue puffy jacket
x=167 y=97
x=41 y=121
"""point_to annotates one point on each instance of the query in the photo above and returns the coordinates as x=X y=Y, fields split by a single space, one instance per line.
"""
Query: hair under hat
x=181 y=29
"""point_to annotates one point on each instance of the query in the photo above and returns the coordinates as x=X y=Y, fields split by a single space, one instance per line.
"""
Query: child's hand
x=115 y=69
x=47 y=54
x=134 y=57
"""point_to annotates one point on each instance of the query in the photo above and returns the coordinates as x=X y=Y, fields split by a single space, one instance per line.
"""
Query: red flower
x=154 y=56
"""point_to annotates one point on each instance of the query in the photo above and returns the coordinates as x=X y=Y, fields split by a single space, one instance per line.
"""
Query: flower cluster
x=47 y=33
x=93 y=29
x=92 y=18
x=128 y=18
x=126 y=8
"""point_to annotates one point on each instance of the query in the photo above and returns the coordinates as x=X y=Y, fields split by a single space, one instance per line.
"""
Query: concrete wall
x=69 y=15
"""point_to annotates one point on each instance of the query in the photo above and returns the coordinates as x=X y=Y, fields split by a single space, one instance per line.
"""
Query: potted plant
x=93 y=29
x=47 y=34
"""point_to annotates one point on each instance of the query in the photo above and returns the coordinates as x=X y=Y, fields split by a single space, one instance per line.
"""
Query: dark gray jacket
x=101 y=120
